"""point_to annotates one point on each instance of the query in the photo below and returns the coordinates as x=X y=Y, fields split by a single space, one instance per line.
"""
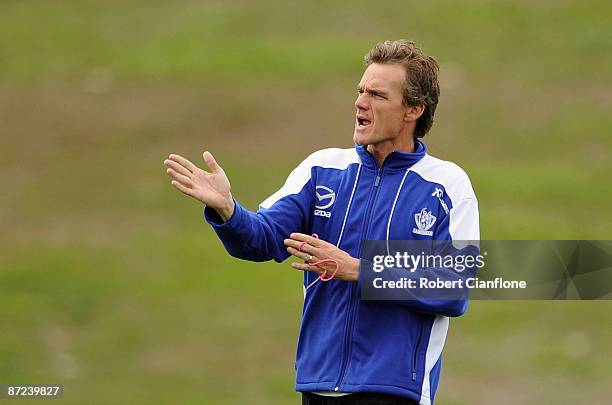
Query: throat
x=382 y=150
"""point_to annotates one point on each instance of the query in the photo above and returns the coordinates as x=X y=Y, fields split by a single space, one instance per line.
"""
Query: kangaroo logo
x=424 y=221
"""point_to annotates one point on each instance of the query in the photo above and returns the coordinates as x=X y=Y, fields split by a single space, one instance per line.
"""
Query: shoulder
x=451 y=176
x=332 y=158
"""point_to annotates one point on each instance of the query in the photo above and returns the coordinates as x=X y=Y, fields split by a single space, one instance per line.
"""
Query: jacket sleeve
x=258 y=236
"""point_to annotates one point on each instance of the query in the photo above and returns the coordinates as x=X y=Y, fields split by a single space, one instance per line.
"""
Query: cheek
x=389 y=117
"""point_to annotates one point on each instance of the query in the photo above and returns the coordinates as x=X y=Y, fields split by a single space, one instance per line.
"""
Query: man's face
x=381 y=112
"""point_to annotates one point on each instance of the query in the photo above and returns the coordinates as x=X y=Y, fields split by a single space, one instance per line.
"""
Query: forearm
x=245 y=234
x=413 y=288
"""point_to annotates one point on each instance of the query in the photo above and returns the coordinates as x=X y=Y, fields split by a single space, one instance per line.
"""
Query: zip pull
x=378 y=176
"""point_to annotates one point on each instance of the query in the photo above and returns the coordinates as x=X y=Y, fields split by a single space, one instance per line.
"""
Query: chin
x=364 y=139
x=360 y=138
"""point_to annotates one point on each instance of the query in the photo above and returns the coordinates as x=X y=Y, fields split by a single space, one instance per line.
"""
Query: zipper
x=347 y=336
x=416 y=351
x=378 y=175
x=349 y=329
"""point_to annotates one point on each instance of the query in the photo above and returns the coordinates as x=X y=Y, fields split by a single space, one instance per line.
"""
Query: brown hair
x=421 y=77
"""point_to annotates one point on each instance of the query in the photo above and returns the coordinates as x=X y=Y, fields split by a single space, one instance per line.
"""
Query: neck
x=381 y=150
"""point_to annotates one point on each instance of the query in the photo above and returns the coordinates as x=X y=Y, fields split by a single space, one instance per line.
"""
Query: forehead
x=383 y=76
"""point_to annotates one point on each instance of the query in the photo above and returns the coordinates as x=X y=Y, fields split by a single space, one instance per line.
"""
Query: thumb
x=211 y=162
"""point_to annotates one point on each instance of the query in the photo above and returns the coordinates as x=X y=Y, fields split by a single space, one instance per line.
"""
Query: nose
x=360 y=102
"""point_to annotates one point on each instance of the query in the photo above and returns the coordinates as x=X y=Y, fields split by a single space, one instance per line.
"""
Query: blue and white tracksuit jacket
x=346 y=344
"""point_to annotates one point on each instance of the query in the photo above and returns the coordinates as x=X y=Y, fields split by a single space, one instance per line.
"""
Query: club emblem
x=424 y=221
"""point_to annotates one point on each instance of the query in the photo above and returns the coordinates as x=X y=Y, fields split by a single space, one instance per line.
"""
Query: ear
x=413 y=112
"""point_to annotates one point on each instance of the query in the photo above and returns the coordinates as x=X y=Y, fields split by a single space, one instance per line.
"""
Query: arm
x=245 y=234
x=438 y=302
x=460 y=225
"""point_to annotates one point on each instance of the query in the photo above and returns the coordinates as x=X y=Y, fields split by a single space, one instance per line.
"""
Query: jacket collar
x=395 y=160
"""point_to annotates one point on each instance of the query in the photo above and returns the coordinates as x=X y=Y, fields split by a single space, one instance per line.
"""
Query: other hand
x=313 y=250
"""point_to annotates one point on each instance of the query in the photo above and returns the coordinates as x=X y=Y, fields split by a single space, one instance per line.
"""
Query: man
x=352 y=351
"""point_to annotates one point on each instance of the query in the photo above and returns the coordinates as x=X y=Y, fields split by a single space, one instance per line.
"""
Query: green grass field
x=111 y=283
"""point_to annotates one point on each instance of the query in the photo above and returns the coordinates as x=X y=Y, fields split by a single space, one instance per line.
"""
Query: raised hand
x=211 y=188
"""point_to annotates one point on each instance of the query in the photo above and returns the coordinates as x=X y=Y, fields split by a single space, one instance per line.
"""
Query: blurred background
x=113 y=285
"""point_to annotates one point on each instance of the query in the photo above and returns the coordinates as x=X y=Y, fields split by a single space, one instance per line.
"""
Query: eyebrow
x=374 y=91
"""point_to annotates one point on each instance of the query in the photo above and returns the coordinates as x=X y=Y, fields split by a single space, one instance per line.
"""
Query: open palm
x=212 y=188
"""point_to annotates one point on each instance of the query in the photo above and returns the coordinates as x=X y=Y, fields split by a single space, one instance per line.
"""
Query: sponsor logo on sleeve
x=438 y=193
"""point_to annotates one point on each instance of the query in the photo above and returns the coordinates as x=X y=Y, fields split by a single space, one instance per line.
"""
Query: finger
x=302 y=237
x=179 y=177
x=302 y=247
x=295 y=244
x=183 y=162
x=300 y=255
x=211 y=162
x=305 y=267
x=182 y=188
x=176 y=167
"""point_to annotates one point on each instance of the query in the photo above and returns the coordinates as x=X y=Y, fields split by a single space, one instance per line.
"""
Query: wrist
x=226 y=210
x=354 y=265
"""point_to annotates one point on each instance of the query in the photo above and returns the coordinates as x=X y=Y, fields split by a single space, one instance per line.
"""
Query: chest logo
x=325 y=197
x=424 y=221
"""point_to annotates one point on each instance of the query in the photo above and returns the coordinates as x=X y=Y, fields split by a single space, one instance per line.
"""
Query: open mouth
x=363 y=122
